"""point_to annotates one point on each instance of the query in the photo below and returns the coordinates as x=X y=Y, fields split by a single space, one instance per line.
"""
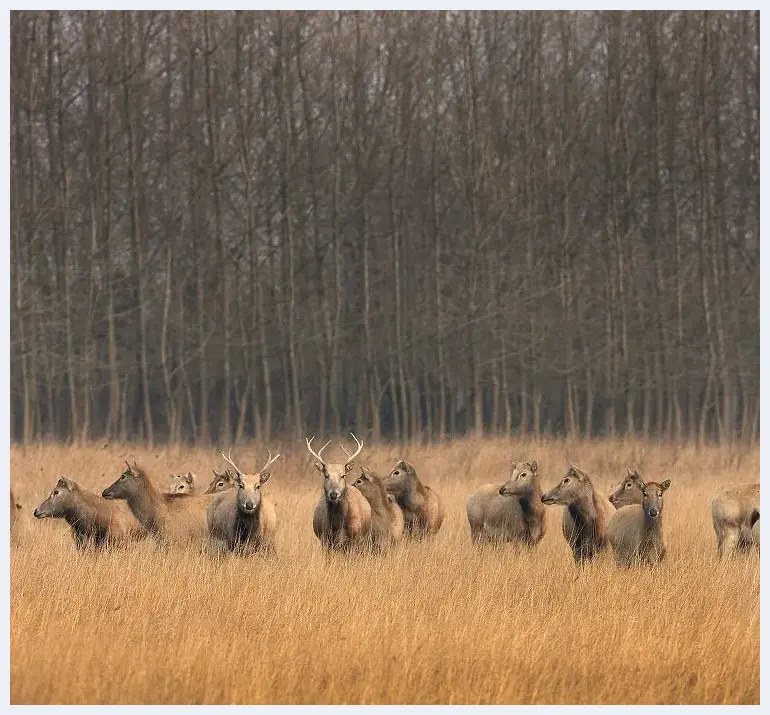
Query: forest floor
x=433 y=622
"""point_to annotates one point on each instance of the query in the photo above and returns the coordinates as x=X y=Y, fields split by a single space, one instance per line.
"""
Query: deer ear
x=665 y=485
x=63 y=483
x=630 y=473
x=349 y=466
x=533 y=465
x=572 y=471
x=263 y=477
x=189 y=478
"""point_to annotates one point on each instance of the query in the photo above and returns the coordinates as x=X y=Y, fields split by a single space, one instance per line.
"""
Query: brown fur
x=511 y=512
x=387 y=517
x=733 y=513
x=635 y=531
x=423 y=510
x=342 y=520
x=586 y=513
x=177 y=517
x=627 y=492
x=94 y=522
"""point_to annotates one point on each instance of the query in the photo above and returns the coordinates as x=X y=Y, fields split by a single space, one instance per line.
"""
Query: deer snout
x=38 y=514
x=107 y=493
x=334 y=496
x=653 y=513
x=248 y=505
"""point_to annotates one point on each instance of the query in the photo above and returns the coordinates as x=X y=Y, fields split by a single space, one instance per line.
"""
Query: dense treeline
x=227 y=225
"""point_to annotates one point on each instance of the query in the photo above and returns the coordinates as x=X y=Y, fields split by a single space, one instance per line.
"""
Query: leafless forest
x=237 y=225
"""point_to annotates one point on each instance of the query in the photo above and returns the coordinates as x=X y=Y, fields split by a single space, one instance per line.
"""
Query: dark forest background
x=415 y=224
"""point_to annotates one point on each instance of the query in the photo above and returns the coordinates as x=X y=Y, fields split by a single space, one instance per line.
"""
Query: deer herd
x=359 y=510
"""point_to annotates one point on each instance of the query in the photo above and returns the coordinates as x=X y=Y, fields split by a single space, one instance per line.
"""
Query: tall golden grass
x=433 y=622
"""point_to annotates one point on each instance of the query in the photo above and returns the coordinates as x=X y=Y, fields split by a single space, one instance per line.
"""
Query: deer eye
x=122 y=477
x=55 y=492
x=566 y=480
x=220 y=484
x=396 y=472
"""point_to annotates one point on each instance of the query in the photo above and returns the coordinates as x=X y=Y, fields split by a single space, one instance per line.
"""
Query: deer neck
x=145 y=506
x=583 y=510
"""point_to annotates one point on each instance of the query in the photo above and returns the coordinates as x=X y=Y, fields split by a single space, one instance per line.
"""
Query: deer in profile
x=511 y=512
x=221 y=482
x=94 y=522
x=387 y=517
x=423 y=510
x=628 y=491
x=342 y=520
x=734 y=514
x=182 y=483
x=178 y=517
x=586 y=513
x=635 y=531
x=241 y=519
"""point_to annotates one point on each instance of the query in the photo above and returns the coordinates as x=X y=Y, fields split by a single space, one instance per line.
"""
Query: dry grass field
x=432 y=622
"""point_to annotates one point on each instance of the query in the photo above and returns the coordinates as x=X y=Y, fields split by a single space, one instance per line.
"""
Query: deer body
x=178 y=517
x=586 y=513
x=94 y=522
x=342 y=519
x=511 y=512
x=241 y=519
x=635 y=531
x=423 y=510
x=734 y=513
x=387 y=517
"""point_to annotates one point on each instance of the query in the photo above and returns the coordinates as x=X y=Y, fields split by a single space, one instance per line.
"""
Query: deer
x=423 y=510
x=635 y=531
x=387 y=517
x=586 y=513
x=95 y=523
x=511 y=512
x=628 y=491
x=342 y=520
x=175 y=517
x=221 y=482
x=182 y=484
x=241 y=519
x=734 y=514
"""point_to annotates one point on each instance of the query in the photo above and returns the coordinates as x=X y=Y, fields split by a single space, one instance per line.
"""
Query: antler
x=317 y=455
x=231 y=463
x=357 y=452
x=270 y=460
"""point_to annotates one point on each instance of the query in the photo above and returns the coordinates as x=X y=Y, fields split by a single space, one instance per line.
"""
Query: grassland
x=436 y=622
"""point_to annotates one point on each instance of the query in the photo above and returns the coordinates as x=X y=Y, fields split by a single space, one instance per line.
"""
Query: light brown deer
x=511 y=512
x=734 y=513
x=387 y=517
x=635 y=531
x=628 y=491
x=182 y=483
x=95 y=523
x=172 y=517
x=221 y=482
x=342 y=520
x=423 y=510
x=586 y=513
x=242 y=520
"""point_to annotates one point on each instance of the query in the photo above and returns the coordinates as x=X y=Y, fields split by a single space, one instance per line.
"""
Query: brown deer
x=512 y=512
x=242 y=520
x=635 y=531
x=387 y=517
x=94 y=522
x=734 y=513
x=221 y=482
x=628 y=491
x=182 y=484
x=423 y=510
x=176 y=517
x=342 y=519
x=586 y=513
